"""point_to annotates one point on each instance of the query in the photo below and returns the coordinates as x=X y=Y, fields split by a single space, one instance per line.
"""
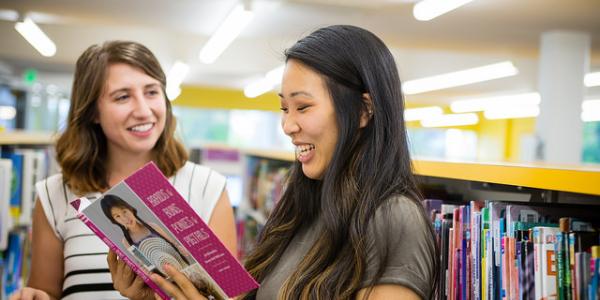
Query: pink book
x=450 y=282
x=148 y=224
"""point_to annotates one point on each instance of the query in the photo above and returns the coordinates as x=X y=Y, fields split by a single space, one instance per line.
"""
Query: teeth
x=303 y=149
x=141 y=128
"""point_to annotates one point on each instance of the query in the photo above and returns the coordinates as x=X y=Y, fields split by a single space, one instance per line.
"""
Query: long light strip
x=175 y=77
x=592 y=79
x=590 y=110
x=429 y=9
x=265 y=84
x=231 y=27
x=451 y=120
x=464 y=77
x=590 y=116
x=36 y=37
x=481 y=104
x=416 y=114
x=592 y=104
x=516 y=112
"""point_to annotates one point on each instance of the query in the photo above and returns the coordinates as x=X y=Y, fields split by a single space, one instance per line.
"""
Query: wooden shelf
x=26 y=138
x=574 y=179
x=271 y=154
x=584 y=180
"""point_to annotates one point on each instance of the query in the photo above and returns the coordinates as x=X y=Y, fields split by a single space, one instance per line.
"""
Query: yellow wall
x=223 y=98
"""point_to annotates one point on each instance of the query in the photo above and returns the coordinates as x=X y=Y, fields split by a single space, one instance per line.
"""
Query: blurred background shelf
x=20 y=137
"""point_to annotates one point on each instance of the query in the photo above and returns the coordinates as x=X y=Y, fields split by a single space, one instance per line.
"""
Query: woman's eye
x=153 y=93
x=122 y=97
x=302 y=108
x=284 y=109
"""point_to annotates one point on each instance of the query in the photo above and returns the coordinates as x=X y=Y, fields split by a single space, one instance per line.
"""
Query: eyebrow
x=299 y=93
x=150 y=85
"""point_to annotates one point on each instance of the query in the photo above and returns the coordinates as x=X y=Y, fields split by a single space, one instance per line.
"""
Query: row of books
x=496 y=250
x=20 y=169
x=264 y=181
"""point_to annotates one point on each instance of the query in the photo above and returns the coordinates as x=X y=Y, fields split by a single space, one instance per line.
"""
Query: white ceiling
x=482 y=32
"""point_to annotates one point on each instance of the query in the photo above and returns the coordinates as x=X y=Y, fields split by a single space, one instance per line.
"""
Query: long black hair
x=111 y=201
x=370 y=166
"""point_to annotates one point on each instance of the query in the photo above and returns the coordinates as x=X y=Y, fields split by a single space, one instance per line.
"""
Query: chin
x=312 y=174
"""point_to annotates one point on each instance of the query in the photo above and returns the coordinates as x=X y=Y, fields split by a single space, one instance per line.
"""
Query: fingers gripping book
x=148 y=224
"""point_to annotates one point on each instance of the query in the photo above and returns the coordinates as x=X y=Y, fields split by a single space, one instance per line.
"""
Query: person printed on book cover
x=151 y=245
x=119 y=120
x=350 y=223
x=153 y=242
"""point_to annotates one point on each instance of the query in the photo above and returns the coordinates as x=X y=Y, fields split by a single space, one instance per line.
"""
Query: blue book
x=14 y=256
x=16 y=185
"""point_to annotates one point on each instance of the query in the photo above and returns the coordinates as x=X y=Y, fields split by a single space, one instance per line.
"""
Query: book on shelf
x=147 y=223
x=5 y=193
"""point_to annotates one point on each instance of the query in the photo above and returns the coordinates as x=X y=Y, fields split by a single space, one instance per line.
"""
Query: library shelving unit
x=27 y=157
x=529 y=193
x=462 y=181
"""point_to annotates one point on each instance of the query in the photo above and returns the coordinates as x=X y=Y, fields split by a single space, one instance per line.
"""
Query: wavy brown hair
x=370 y=166
x=81 y=149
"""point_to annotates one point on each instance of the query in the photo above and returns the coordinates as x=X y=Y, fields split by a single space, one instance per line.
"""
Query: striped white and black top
x=86 y=270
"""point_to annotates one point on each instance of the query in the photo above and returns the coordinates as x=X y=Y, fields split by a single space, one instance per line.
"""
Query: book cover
x=16 y=184
x=547 y=238
x=5 y=185
x=12 y=274
x=148 y=224
x=445 y=245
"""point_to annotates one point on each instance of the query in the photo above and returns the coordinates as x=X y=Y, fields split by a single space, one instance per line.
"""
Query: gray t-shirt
x=409 y=244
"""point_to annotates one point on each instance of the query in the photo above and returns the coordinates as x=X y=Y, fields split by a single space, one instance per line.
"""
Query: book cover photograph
x=148 y=224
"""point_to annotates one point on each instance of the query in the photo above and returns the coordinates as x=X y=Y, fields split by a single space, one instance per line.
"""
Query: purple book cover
x=149 y=224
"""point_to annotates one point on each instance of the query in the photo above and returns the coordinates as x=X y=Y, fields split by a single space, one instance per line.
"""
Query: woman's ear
x=367 y=113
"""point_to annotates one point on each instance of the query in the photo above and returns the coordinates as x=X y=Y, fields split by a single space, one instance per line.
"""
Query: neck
x=122 y=165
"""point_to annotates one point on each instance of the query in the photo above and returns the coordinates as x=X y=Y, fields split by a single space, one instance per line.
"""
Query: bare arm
x=222 y=223
x=388 y=292
x=47 y=256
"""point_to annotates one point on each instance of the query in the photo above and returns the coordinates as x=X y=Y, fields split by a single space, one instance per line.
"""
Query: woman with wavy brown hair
x=350 y=224
x=119 y=120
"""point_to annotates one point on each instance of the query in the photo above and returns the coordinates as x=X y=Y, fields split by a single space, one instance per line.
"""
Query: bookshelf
x=26 y=138
x=25 y=158
x=486 y=208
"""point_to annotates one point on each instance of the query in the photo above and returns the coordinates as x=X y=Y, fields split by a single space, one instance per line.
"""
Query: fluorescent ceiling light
x=7 y=112
x=416 y=114
x=429 y=9
x=481 y=104
x=590 y=115
x=592 y=79
x=175 y=77
x=265 y=84
x=36 y=37
x=516 y=112
x=274 y=76
x=464 y=77
x=9 y=15
x=173 y=92
x=231 y=27
x=451 y=120
x=590 y=105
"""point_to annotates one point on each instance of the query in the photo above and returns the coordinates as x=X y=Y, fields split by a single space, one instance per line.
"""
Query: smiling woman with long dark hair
x=350 y=224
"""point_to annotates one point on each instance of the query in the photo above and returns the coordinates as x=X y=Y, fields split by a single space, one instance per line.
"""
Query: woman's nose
x=289 y=125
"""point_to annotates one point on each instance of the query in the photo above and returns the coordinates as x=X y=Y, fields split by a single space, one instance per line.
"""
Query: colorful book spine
x=485 y=226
